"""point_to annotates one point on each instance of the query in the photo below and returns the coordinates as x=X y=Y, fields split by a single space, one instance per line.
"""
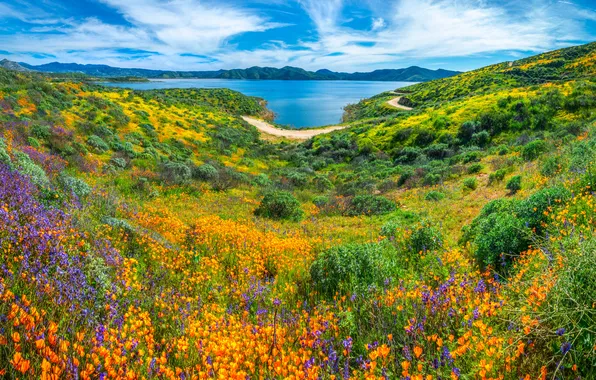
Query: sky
x=341 y=35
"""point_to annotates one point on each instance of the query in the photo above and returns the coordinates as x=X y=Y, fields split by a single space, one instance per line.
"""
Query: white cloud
x=400 y=30
x=378 y=23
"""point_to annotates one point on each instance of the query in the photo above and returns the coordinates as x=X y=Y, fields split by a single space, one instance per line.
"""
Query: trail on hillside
x=395 y=102
x=296 y=134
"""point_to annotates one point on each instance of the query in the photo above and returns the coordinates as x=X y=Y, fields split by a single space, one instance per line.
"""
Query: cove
x=296 y=103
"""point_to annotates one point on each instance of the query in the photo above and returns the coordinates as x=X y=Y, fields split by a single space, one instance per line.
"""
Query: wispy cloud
x=197 y=34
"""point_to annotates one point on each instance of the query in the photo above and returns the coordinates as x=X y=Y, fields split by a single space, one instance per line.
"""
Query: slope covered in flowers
x=144 y=257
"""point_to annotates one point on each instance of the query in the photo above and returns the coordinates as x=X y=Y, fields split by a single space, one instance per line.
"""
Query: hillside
x=411 y=74
x=155 y=234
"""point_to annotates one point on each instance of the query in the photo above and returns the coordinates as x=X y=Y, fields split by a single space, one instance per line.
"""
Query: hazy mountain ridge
x=410 y=74
x=10 y=65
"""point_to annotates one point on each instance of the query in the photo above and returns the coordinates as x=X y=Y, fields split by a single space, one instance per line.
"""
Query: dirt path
x=394 y=102
x=297 y=134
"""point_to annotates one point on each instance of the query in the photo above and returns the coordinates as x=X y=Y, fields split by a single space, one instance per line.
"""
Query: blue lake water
x=297 y=103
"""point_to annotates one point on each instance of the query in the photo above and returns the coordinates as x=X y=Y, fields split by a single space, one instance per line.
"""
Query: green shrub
x=481 y=138
x=533 y=149
x=351 y=268
x=26 y=166
x=205 y=172
x=425 y=237
x=497 y=176
x=551 y=166
x=514 y=184
x=532 y=210
x=570 y=304
x=97 y=143
x=475 y=168
x=321 y=201
x=370 y=205
x=434 y=196
x=32 y=141
x=118 y=162
x=471 y=183
x=432 y=179
x=500 y=237
x=4 y=157
x=175 y=173
x=280 y=205
x=75 y=185
x=262 y=180
x=322 y=183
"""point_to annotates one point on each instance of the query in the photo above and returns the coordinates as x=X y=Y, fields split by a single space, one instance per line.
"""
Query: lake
x=297 y=103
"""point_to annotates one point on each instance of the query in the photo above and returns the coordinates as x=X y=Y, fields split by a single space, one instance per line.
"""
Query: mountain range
x=410 y=74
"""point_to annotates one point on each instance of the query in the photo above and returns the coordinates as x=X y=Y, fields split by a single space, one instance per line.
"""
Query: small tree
x=514 y=184
x=280 y=205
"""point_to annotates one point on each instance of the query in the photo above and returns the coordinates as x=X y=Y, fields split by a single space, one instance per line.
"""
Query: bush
x=532 y=209
x=322 y=183
x=351 y=268
x=97 y=143
x=175 y=173
x=321 y=201
x=75 y=185
x=262 y=180
x=280 y=205
x=497 y=176
x=432 y=179
x=551 y=166
x=500 y=237
x=475 y=168
x=118 y=162
x=26 y=166
x=481 y=138
x=532 y=150
x=470 y=183
x=434 y=196
x=570 y=304
x=370 y=205
x=425 y=237
x=514 y=184
x=4 y=157
x=205 y=172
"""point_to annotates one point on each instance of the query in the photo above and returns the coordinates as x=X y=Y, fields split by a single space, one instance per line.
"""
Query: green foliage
x=97 y=142
x=434 y=196
x=475 y=168
x=75 y=185
x=514 y=184
x=280 y=205
x=352 y=268
x=4 y=157
x=26 y=166
x=425 y=237
x=175 y=173
x=497 y=176
x=550 y=166
x=533 y=149
x=370 y=205
x=570 y=304
x=500 y=237
x=471 y=183
x=205 y=172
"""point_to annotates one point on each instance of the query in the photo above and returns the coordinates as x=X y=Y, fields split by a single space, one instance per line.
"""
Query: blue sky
x=343 y=35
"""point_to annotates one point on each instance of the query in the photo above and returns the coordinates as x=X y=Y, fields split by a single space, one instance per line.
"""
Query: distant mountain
x=10 y=65
x=410 y=74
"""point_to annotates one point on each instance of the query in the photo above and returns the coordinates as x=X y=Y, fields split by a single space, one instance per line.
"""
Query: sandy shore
x=296 y=134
